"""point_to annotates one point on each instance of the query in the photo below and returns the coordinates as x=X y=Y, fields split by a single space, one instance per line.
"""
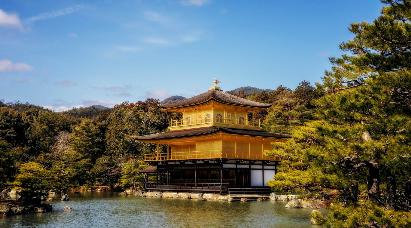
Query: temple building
x=215 y=145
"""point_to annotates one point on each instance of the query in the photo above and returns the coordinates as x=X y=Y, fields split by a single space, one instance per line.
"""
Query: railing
x=189 y=122
x=156 y=157
x=188 y=184
x=193 y=155
x=195 y=122
x=182 y=155
x=190 y=187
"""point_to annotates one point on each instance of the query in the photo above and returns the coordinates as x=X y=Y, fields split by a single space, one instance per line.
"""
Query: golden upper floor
x=215 y=108
x=216 y=146
x=214 y=114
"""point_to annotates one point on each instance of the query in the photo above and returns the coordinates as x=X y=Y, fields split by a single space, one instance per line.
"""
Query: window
x=228 y=118
x=207 y=118
x=187 y=120
x=241 y=120
x=219 y=118
x=199 y=119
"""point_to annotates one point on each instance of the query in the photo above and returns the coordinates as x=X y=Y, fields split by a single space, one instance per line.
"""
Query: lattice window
x=199 y=119
x=228 y=118
x=207 y=118
x=219 y=118
x=241 y=120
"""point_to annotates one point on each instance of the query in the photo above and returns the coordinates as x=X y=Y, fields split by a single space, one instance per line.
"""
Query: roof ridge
x=240 y=98
x=217 y=95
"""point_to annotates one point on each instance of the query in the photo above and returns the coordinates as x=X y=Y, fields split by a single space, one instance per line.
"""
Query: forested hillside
x=44 y=150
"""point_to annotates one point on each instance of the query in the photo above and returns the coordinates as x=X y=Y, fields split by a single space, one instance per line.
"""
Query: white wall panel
x=256 y=178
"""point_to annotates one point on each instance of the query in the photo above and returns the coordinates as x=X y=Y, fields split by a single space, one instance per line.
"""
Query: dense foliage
x=42 y=150
x=355 y=146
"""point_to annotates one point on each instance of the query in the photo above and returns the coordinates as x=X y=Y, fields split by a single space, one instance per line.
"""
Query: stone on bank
x=317 y=218
x=14 y=208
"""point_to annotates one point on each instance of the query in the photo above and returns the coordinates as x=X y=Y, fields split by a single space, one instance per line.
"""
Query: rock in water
x=65 y=197
x=43 y=208
x=67 y=209
x=295 y=203
x=14 y=194
x=317 y=218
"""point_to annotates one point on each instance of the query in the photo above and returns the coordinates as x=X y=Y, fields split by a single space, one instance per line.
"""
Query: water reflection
x=105 y=210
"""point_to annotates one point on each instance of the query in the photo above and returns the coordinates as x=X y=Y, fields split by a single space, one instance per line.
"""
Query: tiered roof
x=207 y=131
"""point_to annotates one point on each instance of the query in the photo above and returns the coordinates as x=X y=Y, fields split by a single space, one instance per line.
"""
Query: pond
x=112 y=210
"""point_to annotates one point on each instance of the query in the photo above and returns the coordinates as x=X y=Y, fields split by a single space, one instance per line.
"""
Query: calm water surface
x=108 y=210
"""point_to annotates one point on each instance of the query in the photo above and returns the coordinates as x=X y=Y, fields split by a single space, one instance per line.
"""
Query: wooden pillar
x=235 y=149
x=145 y=181
x=221 y=177
x=249 y=174
x=262 y=169
x=168 y=152
x=157 y=177
x=236 y=173
x=262 y=150
x=167 y=174
x=158 y=151
x=249 y=150
x=195 y=176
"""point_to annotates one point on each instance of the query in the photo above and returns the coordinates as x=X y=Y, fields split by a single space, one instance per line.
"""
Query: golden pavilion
x=215 y=145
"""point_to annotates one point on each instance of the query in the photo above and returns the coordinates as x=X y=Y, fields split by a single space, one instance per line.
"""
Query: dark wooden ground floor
x=218 y=175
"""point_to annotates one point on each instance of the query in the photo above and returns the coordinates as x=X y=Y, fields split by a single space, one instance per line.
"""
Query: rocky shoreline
x=14 y=207
x=293 y=201
x=12 y=203
x=8 y=208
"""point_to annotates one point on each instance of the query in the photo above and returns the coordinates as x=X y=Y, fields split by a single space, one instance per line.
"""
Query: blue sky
x=63 y=54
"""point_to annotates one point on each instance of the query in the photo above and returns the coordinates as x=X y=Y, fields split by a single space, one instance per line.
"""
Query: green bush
x=366 y=214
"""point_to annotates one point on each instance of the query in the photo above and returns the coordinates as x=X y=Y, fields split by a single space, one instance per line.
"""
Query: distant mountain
x=91 y=111
x=247 y=91
x=172 y=99
x=98 y=107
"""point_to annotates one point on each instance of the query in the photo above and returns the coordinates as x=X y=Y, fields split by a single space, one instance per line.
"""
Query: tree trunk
x=373 y=181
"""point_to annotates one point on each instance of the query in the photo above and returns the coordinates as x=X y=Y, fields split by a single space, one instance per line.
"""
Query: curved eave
x=208 y=131
x=171 y=108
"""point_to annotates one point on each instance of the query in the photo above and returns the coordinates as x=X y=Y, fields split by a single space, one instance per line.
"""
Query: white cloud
x=10 y=20
x=59 y=108
x=157 y=41
x=157 y=94
x=105 y=103
x=194 y=2
x=55 y=13
x=8 y=66
x=62 y=105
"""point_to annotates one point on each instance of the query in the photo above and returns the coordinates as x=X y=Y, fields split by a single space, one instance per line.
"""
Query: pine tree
x=357 y=147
